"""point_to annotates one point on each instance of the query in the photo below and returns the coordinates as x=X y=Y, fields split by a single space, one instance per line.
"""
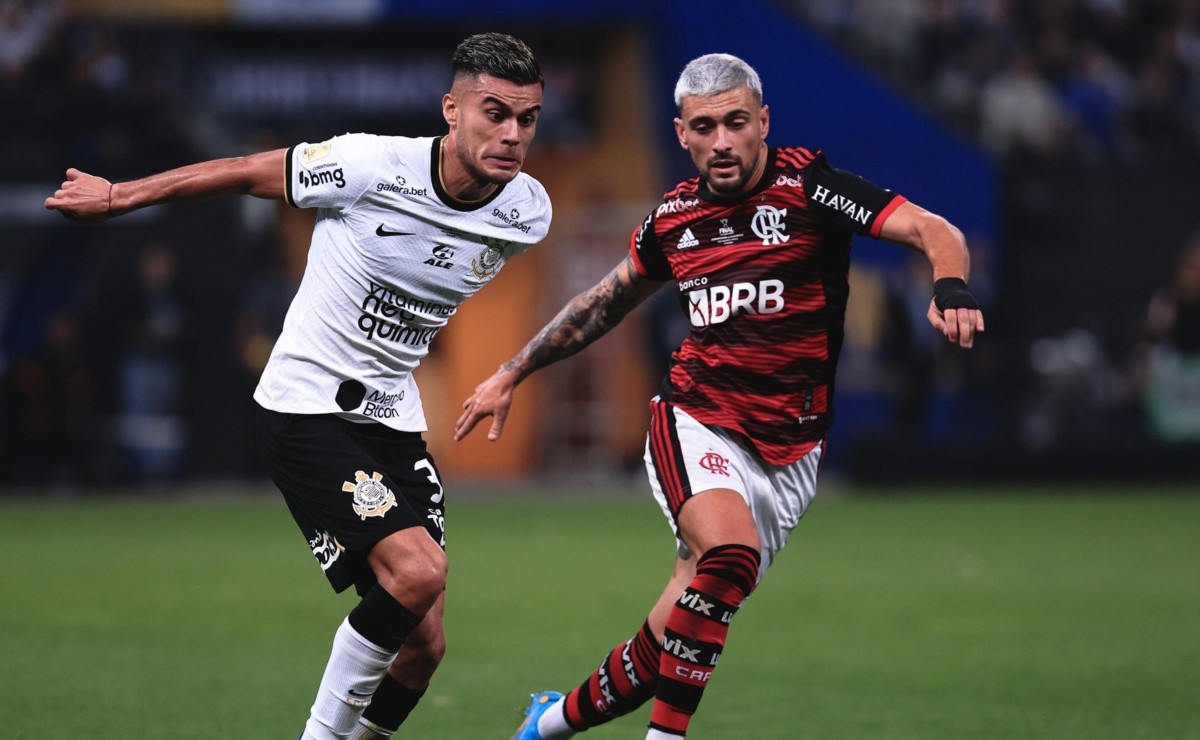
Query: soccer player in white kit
x=759 y=247
x=406 y=230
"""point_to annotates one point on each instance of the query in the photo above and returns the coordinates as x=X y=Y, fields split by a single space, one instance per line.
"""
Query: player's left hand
x=959 y=325
x=954 y=312
x=492 y=397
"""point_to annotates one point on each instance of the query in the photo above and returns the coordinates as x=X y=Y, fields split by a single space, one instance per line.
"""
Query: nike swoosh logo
x=361 y=694
x=384 y=232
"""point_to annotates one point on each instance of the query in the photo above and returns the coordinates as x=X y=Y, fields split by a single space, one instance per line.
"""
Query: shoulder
x=689 y=188
x=685 y=196
x=797 y=158
x=530 y=188
x=527 y=206
x=354 y=150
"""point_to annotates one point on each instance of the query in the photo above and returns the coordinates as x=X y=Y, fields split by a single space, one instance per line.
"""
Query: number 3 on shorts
x=437 y=497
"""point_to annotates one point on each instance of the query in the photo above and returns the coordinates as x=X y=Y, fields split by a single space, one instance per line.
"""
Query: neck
x=457 y=183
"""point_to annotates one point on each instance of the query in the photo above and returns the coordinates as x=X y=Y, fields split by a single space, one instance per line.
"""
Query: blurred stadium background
x=1063 y=137
x=1048 y=588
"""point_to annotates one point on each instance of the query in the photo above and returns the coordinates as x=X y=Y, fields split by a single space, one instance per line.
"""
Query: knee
x=415 y=580
x=735 y=566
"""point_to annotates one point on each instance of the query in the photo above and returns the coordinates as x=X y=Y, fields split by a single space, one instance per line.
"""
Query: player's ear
x=765 y=119
x=450 y=110
x=679 y=131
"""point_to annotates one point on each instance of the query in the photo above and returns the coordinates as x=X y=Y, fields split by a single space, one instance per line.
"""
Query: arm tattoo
x=586 y=318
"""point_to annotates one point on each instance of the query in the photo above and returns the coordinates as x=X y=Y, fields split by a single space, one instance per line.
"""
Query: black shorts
x=350 y=485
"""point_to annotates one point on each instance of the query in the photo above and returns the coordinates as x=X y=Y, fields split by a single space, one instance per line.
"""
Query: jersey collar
x=435 y=177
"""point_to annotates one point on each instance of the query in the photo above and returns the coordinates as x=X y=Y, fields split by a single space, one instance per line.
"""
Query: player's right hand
x=83 y=197
x=492 y=397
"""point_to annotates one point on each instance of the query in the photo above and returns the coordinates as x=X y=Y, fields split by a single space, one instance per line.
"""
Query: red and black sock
x=623 y=682
x=696 y=630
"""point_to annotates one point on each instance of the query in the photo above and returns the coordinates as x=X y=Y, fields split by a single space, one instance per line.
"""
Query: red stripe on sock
x=724 y=574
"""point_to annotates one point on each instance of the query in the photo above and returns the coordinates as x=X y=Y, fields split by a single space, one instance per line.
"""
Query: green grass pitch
x=1001 y=614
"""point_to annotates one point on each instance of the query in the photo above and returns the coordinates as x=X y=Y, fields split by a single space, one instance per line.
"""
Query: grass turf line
x=1007 y=615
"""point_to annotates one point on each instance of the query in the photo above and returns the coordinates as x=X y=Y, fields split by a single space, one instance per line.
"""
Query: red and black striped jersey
x=763 y=280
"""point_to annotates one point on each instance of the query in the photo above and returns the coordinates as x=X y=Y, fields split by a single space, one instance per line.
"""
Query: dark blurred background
x=1062 y=136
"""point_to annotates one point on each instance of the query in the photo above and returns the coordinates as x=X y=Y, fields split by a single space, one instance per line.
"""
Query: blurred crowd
x=113 y=356
x=1097 y=81
x=75 y=92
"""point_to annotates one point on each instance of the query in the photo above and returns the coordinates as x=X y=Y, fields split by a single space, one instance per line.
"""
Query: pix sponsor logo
x=676 y=205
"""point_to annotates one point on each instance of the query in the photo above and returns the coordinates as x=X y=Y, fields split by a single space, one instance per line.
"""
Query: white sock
x=355 y=668
x=552 y=725
x=368 y=730
x=653 y=734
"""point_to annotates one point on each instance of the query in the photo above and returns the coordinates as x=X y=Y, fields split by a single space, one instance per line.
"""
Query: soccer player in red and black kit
x=759 y=247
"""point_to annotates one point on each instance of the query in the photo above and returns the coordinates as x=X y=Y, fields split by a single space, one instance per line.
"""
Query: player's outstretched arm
x=91 y=199
x=952 y=311
x=586 y=317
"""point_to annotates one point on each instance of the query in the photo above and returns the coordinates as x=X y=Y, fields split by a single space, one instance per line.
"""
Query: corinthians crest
x=371 y=497
x=488 y=263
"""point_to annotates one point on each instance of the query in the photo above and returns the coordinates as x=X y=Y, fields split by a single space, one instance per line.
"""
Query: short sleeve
x=842 y=200
x=334 y=173
x=647 y=252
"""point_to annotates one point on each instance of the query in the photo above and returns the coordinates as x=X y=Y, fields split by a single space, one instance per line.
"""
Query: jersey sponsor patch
x=325 y=548
x=719 y=303
x=313 y=152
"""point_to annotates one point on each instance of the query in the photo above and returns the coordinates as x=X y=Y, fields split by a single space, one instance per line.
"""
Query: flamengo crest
x=371 y=497
x=714 y=463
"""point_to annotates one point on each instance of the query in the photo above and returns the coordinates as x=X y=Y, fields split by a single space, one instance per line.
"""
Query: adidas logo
x=688 y=239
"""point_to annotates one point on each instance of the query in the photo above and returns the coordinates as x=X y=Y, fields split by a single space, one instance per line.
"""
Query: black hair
x=498 y=55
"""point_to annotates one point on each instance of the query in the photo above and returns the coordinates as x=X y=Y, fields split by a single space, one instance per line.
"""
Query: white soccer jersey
x=391 y=259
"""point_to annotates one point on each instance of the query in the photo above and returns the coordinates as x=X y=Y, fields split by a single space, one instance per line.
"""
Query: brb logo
x=716 y=304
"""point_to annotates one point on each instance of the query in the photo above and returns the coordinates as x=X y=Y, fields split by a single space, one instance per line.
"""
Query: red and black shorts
x=350 y=485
